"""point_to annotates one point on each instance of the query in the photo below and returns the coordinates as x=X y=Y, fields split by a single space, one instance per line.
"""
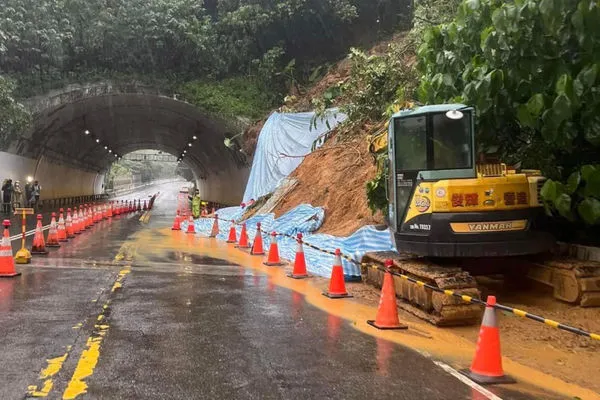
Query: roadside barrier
x=84 y=216
x=273 y=259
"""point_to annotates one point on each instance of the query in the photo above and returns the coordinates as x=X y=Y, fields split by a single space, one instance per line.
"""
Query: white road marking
x=467 y=381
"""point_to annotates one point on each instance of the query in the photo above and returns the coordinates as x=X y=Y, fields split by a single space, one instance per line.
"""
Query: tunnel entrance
x=78 y=133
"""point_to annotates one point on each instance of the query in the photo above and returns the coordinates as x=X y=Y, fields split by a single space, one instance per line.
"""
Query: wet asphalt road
x=189 y=329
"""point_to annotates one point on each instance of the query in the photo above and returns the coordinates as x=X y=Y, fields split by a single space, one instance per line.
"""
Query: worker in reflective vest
x=196 y=202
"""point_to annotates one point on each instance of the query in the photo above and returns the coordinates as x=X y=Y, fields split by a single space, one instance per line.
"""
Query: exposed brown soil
x=334 y=177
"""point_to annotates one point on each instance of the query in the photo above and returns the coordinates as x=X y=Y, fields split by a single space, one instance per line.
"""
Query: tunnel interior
x=89 y=133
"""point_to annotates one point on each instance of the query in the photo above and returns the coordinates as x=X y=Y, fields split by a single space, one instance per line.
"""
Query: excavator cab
x=441 y=204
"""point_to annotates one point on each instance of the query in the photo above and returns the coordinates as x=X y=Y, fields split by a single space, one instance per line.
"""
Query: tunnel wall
x=57 y=181
x=226 y=187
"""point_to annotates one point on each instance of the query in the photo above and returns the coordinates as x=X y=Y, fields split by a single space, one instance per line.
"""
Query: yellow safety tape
x=551 y=323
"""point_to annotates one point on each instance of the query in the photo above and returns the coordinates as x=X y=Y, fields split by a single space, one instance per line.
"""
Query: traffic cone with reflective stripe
x=299 y=271
x=62 y=229
x=257 y=246
x=191 y=227
x=69 y=225
x=176 y=223
x=232 y=233
x=487 y=365
x=81 y=218
x=243 y=243
x=75 y=221
x=52 y=240
x=109 y=212
x=39 y=244
x=215 y=228
x=387 y=313
x=337 y=286
x=273 y=257
x=117 y=208
x=104 y=212
x=7 y=263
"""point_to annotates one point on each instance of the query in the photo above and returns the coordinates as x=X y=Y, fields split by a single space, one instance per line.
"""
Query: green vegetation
x=532 y=70
x=205 y=48
x=230 y=97
x=13 y=116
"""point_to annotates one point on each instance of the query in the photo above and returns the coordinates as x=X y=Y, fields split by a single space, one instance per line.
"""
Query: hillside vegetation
x=530 y=68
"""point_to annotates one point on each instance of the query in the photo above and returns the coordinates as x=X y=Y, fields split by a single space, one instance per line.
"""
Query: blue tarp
x=282 y=142
x=305 y=219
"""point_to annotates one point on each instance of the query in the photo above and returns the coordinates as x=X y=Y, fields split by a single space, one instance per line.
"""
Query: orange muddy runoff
x=420 y=336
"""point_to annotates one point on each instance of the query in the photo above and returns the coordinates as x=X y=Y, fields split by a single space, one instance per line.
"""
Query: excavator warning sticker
x=500 y=226
x=422 y=203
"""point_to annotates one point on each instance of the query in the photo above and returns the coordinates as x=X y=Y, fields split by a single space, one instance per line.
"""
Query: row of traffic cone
x=337 y=286
x=486 y=367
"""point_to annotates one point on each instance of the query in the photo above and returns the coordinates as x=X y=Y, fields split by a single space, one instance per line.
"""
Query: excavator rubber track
x=573 y=281
x=436 y=308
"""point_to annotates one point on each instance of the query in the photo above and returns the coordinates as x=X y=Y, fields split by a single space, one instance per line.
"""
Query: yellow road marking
x=46 y=374
x=86 y=364
x=90 y=356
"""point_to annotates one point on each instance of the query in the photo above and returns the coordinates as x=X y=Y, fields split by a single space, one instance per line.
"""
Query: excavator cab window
x=430 y=146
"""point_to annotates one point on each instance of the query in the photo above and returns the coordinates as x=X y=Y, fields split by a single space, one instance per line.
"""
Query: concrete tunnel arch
x=125 y=118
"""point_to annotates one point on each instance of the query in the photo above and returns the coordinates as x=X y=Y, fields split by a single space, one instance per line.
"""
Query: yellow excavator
x=447 y=213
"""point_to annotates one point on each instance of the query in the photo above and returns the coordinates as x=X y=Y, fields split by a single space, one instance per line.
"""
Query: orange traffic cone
x=232 y=234
x=96 y=213
x=69 y=225
x=257 y=246
x=86 y=219
x=487 y=365
x=215 y=228
x=387 y=313
x=109 y=212
x=62 y=229
x=39 y=244
x=243 y=243
x=191 y=227
x=75 y=221
x=299 y=271
x=7 y=263
x=337 y=286
x=176 y=223
x=81 y=219
x=104 y=211
x=52 y=240
x=273 y=257
x=116 y=208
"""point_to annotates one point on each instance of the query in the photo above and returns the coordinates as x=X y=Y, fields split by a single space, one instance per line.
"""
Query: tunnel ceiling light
x=195 y=137
x=97 y=140
x=189 y=144
x=105 y=147
x=185 y=151
x=109 y=150
x=86 y=132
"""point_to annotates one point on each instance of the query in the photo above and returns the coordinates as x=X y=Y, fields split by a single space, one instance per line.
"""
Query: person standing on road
x=27 y=200
x=36 y=190
x=7 y=193
x=18 y=195
x=196 y=201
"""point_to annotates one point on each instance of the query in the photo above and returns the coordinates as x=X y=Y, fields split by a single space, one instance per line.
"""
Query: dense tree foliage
x=44 y=43
x=532 y=70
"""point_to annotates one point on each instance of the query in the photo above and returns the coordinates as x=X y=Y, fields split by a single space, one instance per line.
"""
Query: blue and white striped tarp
x=304 y=219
